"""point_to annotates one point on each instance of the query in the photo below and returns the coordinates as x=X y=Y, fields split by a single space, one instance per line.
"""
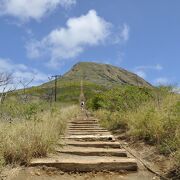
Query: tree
x=25 y=83
x=48 y=96
x=6 y=85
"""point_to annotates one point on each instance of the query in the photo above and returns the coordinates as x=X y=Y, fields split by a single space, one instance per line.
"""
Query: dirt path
x=89 y=152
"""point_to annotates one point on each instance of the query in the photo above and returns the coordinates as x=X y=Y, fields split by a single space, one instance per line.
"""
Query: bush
x=121 y=99
x=13 y=110
x=152 y=115
x=112 y=120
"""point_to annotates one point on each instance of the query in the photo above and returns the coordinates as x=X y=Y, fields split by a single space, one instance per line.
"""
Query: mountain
x=103 y=74
x=96 y=77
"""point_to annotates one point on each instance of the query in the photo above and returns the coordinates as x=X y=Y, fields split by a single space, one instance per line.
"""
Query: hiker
x=82 y=105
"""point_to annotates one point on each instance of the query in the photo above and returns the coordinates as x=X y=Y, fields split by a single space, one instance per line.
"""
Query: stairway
x=88 y=147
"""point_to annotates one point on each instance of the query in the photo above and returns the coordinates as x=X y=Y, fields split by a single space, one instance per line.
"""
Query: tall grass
x=22 y=140
x=155 y=118
x=158 y=124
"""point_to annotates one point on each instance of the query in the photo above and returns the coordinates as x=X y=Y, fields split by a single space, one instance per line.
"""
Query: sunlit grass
x=156 y=120
x=20 y=141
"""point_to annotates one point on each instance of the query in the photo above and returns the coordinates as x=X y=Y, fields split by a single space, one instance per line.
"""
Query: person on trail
x=82 y=105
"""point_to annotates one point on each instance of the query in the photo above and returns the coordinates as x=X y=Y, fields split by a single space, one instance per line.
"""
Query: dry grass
x=155 y=122
x=23 y=140
x=158 y=123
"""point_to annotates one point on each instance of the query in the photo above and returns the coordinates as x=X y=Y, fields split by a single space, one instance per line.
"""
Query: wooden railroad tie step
x=87 y=147
x=96 y=144
x=91 y=137
x=87 y=164
x=91 y=151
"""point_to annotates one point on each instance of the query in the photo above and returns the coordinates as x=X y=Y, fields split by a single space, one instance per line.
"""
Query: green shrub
x=121 y=98
x=112 y=120
x=152 y=115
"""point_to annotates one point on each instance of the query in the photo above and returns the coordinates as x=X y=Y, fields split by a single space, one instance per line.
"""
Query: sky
x=40 y=38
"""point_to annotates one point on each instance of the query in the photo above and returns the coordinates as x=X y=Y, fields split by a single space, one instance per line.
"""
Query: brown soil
x=148 y=154
x=44 y=173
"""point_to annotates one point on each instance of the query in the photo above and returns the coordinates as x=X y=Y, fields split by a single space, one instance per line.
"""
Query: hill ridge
x=103 y=74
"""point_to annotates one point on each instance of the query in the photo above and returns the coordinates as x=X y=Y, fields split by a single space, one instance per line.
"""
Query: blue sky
x=40 y=38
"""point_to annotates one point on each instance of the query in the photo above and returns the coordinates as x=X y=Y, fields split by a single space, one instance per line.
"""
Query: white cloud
x=150 y=67
x=141 y=73
x=21 y=71
x=68 y=42
x=67 y=3
x=122 y=35
x=125 y=32
x=31 y=9
x=142 y=70
x=161 y=81
x=158 y=67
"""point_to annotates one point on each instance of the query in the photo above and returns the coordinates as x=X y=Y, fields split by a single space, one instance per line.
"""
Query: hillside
x=103 y=74
x=96 y=78
x=150 y=115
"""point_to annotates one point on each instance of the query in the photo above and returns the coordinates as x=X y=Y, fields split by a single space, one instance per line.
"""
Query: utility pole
x=55 y=86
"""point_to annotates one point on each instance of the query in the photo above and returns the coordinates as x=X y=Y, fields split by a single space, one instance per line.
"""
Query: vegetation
x=67 y=91
x=152 y=115
x=103 y=74
x=31 y=130
x=30 y=123
x=121 y=98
